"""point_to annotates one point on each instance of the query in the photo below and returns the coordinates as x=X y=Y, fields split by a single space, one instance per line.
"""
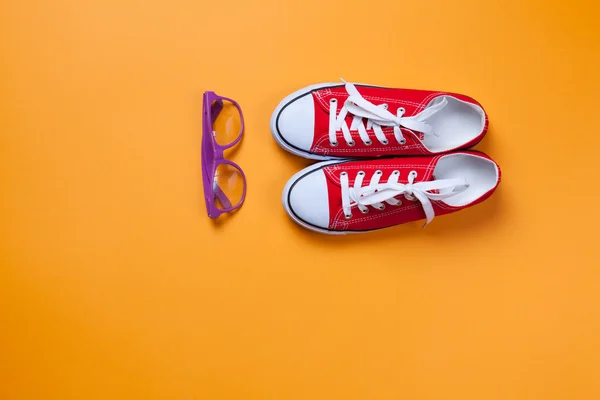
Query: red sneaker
x=332 y=120
x=337 y=197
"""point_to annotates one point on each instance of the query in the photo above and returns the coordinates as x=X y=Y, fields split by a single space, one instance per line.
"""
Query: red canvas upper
x=408 y=211
x=413 y=101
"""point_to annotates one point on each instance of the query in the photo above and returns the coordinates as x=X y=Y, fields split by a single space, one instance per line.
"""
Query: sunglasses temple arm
x=221 y=196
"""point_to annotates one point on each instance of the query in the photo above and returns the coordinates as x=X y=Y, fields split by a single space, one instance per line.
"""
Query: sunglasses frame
x=212 y=156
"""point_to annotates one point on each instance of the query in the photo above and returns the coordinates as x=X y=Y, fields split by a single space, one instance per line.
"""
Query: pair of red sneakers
x=389 y=156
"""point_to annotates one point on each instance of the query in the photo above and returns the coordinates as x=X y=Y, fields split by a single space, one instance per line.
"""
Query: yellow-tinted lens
x=227 y=122
x=228 y=187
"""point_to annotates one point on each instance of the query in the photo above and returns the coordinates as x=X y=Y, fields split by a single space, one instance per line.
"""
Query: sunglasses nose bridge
x=219 y=153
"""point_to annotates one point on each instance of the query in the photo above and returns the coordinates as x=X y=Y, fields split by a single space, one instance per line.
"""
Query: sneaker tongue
x=436 y=191
x=433 y=108
x=428 y=177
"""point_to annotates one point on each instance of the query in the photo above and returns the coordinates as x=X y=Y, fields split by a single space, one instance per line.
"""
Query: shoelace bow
x=377 y=116
x=376 y=193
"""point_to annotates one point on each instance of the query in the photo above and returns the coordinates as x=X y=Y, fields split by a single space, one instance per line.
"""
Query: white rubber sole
x=284 y=102
x=286 y=204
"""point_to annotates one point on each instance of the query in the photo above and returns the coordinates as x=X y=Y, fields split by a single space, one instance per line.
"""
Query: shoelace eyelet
x=351 y=143
x=378 y=172
x=334 y=144
x=396 y=172
x=381 y=208
x=365 y=212
x=344 y=173
x=403 y=141
x=413 y=173
x=347 y=216
x=401 y=110
x=333 y=101
x=369 y=142
x=385 y=106
x=361 y=173
x=385 y=142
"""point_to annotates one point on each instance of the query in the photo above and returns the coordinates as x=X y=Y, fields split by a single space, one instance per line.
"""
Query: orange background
x=115 y=285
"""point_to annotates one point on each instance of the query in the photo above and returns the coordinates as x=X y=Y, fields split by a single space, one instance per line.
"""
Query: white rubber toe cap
x=296 y=122
x=309 y=200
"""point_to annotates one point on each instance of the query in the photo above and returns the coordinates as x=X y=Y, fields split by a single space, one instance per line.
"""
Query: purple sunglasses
x=212 y=156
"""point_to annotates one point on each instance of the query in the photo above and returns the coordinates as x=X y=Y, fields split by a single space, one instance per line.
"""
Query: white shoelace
x=377 y=116
x=376 y=193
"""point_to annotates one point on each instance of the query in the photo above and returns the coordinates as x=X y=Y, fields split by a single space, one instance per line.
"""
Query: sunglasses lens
x=227 y=122
x=228 y=187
